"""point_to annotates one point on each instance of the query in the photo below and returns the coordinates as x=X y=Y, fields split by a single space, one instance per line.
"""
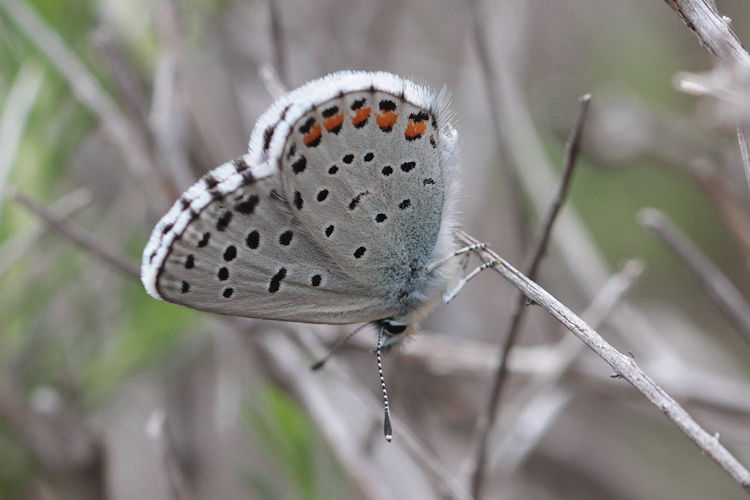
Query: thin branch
x=76 y=236
x=271 y=81
x=278 y=43
x=129 y=92
x=489 y=77
x=724 y=294
x=536 y=252
x=744 y=153
x=158 y=430
x=17 y=246
x=572 y=148
x=21 y=97
x=167 y=120
x=624 y=366
x=713 y=30
x=87 y=89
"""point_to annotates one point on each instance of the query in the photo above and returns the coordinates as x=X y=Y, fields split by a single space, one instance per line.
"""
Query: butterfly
x=342 y=211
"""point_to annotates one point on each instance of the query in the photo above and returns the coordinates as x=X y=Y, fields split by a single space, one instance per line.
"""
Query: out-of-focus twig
x=712 y=29
x=21 y=97
x=167 y=120
x=87 y=89
x=513 y=189
x=15 y=247
x=278 y=43
x=109 y=44
x=724 y=294
x=623 y=365
x=536 y=252
x=271 y=81
x=158 y=430
x=744 y=154
x=76 y=236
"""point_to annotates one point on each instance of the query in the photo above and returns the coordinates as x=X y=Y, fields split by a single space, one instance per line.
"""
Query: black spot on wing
x=300 y=165
x=223 y=274
x=407 y=166
x=286 y=238
x=223 y=221
x=305 y=127
x=247 y=207
x=387 y=105
x=355 y=201
x=204 y=240
x=275 y=283
x=253 y=239
x=210 y=181
x=267 y=135
x=330 y=111
x=240 y=165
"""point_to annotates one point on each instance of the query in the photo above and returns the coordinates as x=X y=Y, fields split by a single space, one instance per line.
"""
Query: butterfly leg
x=477 y=246
x=452 y=294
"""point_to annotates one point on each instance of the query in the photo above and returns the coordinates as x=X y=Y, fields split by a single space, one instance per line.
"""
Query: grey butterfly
x=337 y=214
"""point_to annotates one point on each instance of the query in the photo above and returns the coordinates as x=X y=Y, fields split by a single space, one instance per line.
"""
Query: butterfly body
x=343 y=200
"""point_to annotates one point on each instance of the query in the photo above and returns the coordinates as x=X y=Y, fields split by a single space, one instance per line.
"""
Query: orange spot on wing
x=313 y=135
x=387 y=119
x=414 y=130
x=333 y=122
x=361 y=116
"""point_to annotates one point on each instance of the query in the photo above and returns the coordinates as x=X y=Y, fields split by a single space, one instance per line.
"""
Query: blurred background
x=109 y=109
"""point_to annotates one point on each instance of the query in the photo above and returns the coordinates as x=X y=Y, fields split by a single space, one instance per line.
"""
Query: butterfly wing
x=229 y=245
x=343 y=199
x=369 y=166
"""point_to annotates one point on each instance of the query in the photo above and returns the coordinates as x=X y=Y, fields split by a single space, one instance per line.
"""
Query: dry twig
x=724 y=294
x=278 y=43
x=744 y=154
x=158 y=430
x=16 y=247
x=76 y=236
x=713 y=30
x=167 y=120
x=506 y=161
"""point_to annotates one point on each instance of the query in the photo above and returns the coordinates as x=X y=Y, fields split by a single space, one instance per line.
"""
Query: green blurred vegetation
x=295 y=450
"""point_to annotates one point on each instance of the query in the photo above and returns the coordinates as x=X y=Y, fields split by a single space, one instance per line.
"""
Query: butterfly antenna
x=318 y=365
x=387 y=421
